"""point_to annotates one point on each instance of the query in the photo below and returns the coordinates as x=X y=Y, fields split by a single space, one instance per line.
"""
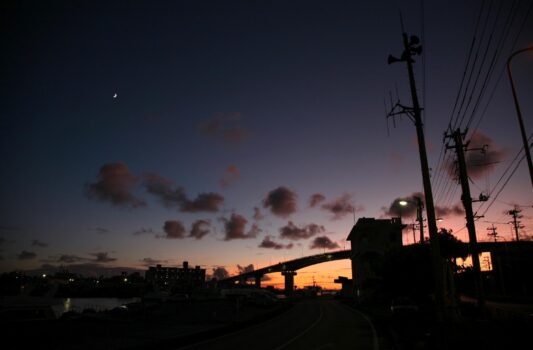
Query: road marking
x=304 y=332
x=374 y=333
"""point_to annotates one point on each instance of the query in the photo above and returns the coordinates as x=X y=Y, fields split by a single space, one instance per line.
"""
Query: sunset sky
x=230 y=133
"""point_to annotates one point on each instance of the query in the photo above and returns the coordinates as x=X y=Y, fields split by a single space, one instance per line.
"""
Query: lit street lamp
x=518 y=113
x=402 y=203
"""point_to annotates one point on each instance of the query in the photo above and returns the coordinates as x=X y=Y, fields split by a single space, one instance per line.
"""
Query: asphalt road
x=321 y=323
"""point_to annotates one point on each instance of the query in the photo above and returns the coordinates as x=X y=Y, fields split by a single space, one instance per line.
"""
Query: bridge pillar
x=258 y=280
x=289 y=281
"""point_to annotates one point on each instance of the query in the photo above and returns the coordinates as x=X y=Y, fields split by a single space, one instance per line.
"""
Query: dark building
x=506 y=268
x=346 y=286
x=177 y=278
x=371 y=239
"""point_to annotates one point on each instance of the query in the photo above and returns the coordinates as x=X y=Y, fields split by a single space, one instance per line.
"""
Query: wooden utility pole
x=420 y=217
x=466 y=198
x=492 y=232
x=515 y=213
x=412 y=48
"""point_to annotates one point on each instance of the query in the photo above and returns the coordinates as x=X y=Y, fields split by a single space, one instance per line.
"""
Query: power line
x=472 y=68
x=524 y=21
x=503 y=186
x=496 y=57
x=481 y=66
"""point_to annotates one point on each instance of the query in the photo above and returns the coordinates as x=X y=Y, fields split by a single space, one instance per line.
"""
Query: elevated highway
x=288 y=268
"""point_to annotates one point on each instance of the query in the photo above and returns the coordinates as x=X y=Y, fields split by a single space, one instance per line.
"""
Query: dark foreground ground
x=499 y=326
x=182 y=324
x=142 y=326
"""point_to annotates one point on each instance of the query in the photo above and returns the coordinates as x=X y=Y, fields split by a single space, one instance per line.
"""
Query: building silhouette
x=371 y=239
x=176 y=278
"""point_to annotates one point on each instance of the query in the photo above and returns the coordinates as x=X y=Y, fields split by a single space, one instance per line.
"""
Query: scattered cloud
x=396 y=159
x=395 y=209
x=151 y=262
x=316 y=199
x=101 y=230
x=257 y=214
x=270 y=244
x=323 y=242
x=164 y=189
x=174 y=196
x=342 y=206
x=231 y=174
x=173 y=229
x=220 y=273
x=37 y=243
x=293 y=232
x=25 y=255
x=281 y=201
x=454 y=210
x=225 y=128
x=235 y=228
x=115 y=184
x=144 y=231
x=102 y=257
x=479 y=163
x=482 y=158
x=245 y=269
x=69 y=258
x=204 y=202
x=200 y=228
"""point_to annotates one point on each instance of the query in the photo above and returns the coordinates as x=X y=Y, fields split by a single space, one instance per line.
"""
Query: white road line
x=304 y=332
x=374 y=333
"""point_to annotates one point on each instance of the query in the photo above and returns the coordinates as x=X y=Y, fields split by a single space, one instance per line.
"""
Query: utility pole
x=466 y=198
x=420 y=217
x=492 y=232
x=515 y=213
x=412 y=47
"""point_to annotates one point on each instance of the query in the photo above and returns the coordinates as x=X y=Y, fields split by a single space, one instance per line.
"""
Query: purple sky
x=242 y=132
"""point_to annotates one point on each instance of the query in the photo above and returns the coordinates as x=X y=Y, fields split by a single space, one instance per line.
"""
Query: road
x=321 y=323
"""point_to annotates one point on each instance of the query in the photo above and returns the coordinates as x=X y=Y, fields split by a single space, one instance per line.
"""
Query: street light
x=518 y=113
x=402 y=203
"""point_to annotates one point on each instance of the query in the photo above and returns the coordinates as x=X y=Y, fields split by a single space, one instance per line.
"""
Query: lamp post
x=519 y=113
x=402 y=203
